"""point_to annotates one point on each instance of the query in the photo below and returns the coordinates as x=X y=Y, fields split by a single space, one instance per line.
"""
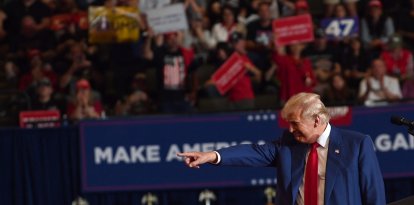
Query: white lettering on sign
x=121 y=154
x=385 y=143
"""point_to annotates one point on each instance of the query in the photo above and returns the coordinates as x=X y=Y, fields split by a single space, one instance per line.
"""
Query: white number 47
x=334 y=28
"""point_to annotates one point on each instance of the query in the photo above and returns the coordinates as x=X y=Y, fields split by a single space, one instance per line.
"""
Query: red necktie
x=311 y=177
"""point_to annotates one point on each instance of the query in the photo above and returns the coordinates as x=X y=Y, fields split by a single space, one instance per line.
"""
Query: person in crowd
x=338 y=92
x=38 y=71
x=376 y=29
x=351 y=6
x=9 y=75
x=228 y=25
x=199 y=39
x=406 y=26
x=353 y=61
x=408 y=88
x=260 y=37
x=294 y=71
x=286 y=7
x=322 y=55
x=44 y=99
x=137 y=101
x=214 y=12
x=195 y=8
x=399 y=61
x=301 y=7
x=241 y=95
x=175 y=66
x=72 y=67
x=340 y=11
x=84 y=104
x=316 y=163
x=27 y=24
x=378 y=87
x=248 y=14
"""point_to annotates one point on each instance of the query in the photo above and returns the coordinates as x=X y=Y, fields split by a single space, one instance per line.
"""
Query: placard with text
x=295 y=29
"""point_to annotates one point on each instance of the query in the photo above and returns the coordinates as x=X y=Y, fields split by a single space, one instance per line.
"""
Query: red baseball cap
x=302 y=4
x=375 y=3
x=83 y=84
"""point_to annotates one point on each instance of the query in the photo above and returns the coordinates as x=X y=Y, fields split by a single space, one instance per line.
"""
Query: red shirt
x=242 y=90
x=397 y=65
x=292 y=75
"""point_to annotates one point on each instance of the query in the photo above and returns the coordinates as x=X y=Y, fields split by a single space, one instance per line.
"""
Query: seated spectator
x=338 y=93
x=378 y=87
x=376 y=29
x=322 y=55
x=228 y=25
x=399 y=61
x=84 y=104
x=241 y=95
x=177 y=84
x=406 y=26
x=137 y=101
x=353 y=61
x=351 y=6
x=294 y=71
x=9 y=77
x=44 y=99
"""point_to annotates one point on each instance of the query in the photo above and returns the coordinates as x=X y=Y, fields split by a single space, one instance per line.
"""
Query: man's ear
x=317 y=121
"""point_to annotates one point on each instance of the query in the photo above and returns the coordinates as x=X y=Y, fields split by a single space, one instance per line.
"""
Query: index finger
x=187 y=154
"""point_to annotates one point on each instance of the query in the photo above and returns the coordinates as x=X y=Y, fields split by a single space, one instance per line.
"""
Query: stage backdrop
x=140 y=154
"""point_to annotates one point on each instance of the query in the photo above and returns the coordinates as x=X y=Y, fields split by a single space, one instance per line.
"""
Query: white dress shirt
x=322 y=150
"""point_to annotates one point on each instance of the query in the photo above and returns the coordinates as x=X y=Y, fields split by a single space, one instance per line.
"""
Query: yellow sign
x=113 y=25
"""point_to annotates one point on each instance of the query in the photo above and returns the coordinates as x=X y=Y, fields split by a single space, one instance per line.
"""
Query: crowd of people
x=171 y=72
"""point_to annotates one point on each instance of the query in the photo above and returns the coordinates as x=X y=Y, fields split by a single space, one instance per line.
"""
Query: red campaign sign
x=229 y=73
x=39 y=119
x=295 y=29
x=340 y=116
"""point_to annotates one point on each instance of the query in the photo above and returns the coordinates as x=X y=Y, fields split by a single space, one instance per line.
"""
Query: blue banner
x=140 y=154
x=338 y=28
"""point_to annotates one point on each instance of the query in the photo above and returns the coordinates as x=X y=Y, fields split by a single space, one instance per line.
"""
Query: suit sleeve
x=371 y=181
x=252 y=155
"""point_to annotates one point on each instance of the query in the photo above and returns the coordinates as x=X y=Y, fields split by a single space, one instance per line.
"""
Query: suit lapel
x=332 y=164
x=298 y=163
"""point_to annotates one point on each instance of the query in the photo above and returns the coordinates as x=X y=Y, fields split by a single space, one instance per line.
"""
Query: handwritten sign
x=167 y=19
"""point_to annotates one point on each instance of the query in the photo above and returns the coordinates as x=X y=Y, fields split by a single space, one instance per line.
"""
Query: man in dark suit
x=316 y=162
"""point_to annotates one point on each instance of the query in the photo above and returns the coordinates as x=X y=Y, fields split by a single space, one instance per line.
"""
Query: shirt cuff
x=218 y=158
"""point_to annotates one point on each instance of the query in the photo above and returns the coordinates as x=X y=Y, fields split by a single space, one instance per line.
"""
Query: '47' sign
x=338 y=28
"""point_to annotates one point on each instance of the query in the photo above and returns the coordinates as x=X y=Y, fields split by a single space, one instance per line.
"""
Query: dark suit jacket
x=353 y=175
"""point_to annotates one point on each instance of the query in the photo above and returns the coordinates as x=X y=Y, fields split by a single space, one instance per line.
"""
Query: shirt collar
x=324 y=137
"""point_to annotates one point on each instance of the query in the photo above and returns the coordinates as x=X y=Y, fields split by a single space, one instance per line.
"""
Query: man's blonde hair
x=310 y=105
